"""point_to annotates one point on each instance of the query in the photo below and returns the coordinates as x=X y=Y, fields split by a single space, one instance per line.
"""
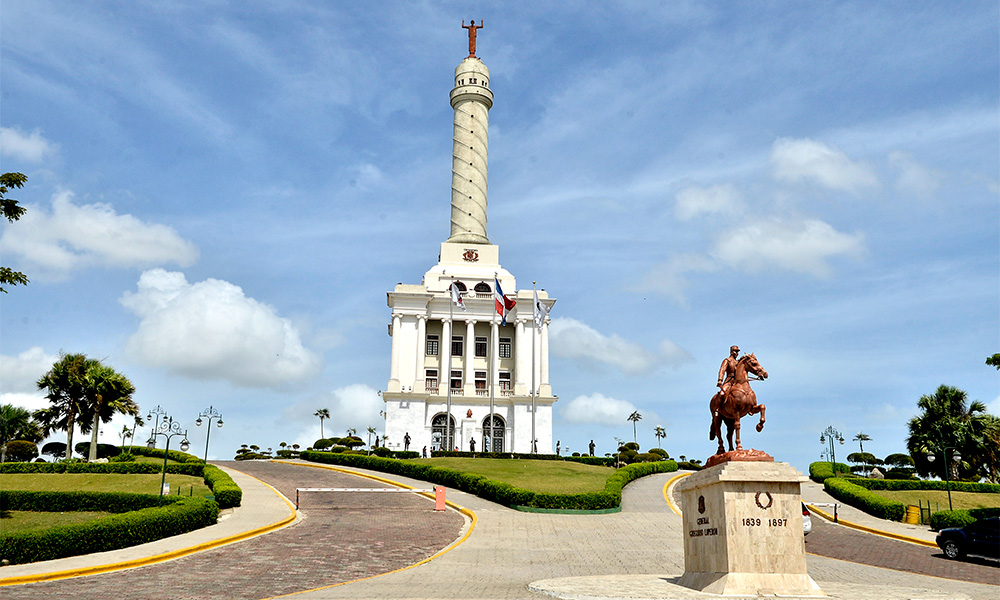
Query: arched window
x=461 y=286
x=441 y=439
x=483 y=288
x=498 y=433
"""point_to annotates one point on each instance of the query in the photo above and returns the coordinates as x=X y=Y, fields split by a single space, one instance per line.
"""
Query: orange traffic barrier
x=439 y=503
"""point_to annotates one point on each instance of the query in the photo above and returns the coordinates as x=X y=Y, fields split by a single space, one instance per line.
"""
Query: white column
x=470 y=357
x=418 y=383
x=494 y=377
x=394 y=360
x=522 y=358
x=444 y=354
x=546 y=389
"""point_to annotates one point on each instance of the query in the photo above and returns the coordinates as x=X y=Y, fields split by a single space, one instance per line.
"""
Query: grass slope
x=959 y=500
x=544 y=476
x=103 y=482
x=13 y=521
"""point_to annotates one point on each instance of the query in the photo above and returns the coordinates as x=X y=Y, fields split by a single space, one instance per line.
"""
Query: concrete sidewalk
x=263 y=509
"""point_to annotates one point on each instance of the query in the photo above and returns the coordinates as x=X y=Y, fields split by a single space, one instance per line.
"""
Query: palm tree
x=138 y=422
x=861 y=438
x=16 y=424
x=323 y=413
x=660 y=434
x=66 y=383
x=949 y=421
x=108 y=393
x=352 y=431
x=635 y=417
x=371 y=430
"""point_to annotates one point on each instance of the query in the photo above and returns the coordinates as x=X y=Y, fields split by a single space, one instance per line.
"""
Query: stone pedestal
x=743 y=531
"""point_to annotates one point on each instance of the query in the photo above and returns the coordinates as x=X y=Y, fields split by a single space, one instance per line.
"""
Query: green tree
x=108 y=393
x=635 y=417
x=66 y=385
x=994 y=360
x=861 y=438
x=948 y=420
x=323 y=413
x=16 y=424
x=660 y=434
x=12 y=211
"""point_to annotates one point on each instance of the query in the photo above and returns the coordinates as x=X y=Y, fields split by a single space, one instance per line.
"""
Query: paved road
x=508 y=555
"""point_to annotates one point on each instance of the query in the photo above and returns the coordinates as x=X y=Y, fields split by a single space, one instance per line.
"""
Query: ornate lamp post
x=210 y=413
x=168 y=429
x=831 y=435
x=955 y=457
x=159 y=412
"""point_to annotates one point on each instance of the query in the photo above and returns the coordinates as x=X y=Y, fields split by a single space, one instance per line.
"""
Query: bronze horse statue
x=739 y=401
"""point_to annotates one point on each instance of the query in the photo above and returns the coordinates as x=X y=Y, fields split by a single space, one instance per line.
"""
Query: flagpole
x=492 y=387
x=534 y=328
x=451 y=333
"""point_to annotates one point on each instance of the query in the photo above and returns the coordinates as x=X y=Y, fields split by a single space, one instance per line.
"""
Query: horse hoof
x=760 y=427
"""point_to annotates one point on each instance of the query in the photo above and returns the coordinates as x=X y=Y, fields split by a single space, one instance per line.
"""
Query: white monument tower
x=464 y=373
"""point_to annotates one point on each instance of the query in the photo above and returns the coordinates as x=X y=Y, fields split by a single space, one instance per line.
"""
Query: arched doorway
x=498 y=433
x=441 y=439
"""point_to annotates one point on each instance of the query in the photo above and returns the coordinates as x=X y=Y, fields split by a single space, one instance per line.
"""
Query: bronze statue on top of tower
x=472 y=27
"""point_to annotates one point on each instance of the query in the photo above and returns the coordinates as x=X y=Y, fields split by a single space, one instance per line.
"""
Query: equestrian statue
x=735 y=399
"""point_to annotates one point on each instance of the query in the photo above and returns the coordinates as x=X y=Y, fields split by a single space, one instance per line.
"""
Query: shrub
x=383 y=452
x=690 y=466
x=56 y=449
x=174 y=455
x=659 y=451
x=21 y=451
x=116 y=531
x=123 y=457
x=850 y=492
x=226 y=492
x=103 y=450
x=919 y=484
x=323 y=443
x=820 y=471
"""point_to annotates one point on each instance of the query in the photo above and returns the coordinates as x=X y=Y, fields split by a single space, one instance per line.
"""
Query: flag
x=541 y=311
x=502 y=303
x=456 y=297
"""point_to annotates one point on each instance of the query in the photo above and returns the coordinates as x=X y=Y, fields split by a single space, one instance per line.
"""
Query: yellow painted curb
x=895 y=536
x=666 y=493
x=141 y=562
x=465 y=511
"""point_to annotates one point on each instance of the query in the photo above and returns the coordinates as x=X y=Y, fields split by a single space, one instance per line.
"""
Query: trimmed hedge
x=115 y=502
x=107 y=533
x=917 y=484
x=226 y=492
x=174 y=455
x=820 y=471
x=848 y=492
x=497 y=491
x=960 y=518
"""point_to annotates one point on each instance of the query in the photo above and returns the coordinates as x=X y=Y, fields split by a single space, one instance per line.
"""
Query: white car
x=807 y=524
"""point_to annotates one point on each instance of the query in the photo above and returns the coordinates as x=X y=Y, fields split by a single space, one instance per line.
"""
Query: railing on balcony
x=482 y=392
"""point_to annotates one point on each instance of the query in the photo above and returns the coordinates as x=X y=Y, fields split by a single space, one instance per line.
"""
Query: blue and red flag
x=502 y=303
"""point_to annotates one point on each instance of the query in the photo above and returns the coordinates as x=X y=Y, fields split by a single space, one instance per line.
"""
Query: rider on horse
x=727 y=372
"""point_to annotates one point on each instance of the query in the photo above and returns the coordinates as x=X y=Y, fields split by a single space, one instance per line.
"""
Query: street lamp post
x=168 y=429
x=210 y=413
x=955 y=457
x=159 y=412
x=831 y=435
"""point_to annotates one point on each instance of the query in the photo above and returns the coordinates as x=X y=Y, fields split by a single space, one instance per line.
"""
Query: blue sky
x=221 y=193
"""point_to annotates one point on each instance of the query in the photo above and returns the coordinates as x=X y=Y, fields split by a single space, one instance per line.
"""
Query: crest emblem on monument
x=701 y=504
x=471 y=255
x=760 y=505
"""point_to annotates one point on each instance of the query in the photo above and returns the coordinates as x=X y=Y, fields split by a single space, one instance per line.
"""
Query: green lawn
x=545 y=476
x=103 y=482
x=940 y=497
x=13 y=521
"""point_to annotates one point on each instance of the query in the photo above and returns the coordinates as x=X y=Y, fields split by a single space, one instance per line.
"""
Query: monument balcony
x=482 y=392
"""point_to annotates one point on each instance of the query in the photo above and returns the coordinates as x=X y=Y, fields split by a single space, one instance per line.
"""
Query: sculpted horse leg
x=715 y=430
x=760 y=426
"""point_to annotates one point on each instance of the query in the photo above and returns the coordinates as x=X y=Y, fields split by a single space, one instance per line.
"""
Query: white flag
x=541 y=311
x=456 y=297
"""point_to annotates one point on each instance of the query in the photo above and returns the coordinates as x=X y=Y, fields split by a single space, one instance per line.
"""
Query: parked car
x=981 y=538
x=807 y=524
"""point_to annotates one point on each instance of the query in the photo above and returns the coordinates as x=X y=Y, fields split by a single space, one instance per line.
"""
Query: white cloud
x=32 y=147
x=72 y=236
x=809 y=160
x=32 y=402
x=19 y=373
x=914 y=177
x=669 y=278
x=694 y=201
x=597 y=409
x=211 y=330
x=802 y=246
x=575 y=340
x=994 y=407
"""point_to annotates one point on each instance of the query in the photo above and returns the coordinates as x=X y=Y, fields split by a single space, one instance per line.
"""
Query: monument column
x=444 y=354
x=544 y=386
x=471 y=99
x=522 y=358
